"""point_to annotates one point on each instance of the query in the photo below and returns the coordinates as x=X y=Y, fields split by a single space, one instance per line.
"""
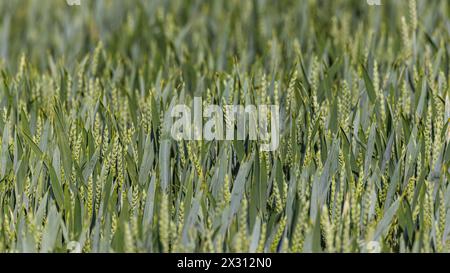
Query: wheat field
x=87 y=163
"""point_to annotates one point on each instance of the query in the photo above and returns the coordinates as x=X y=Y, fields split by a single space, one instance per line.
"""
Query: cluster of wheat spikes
x=87 y=164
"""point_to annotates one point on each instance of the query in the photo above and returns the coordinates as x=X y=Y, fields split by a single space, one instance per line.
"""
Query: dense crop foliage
x=87 y=163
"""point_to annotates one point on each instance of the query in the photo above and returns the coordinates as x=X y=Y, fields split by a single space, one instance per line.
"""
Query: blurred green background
x=208 y=33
